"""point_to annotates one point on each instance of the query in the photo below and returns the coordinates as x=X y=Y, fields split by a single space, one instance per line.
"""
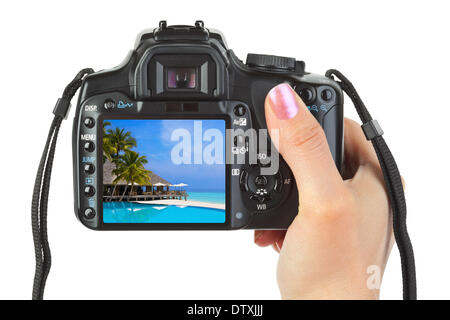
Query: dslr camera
x=175 y=137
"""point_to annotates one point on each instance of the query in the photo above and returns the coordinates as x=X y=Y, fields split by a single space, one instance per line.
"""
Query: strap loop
x=372 y=129
x=62 y=108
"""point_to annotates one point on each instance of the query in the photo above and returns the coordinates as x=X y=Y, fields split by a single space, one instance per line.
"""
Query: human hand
x=344 y=224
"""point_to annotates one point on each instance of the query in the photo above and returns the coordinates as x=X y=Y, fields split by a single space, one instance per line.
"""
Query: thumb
x=303 y=144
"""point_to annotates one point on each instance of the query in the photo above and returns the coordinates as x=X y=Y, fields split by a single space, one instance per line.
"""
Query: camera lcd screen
x=164 y=171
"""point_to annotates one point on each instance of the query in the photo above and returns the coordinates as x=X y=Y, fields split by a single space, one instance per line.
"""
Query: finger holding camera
x=344 y=226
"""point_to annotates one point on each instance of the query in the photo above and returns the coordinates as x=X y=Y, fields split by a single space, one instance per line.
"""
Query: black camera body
x=186 y=76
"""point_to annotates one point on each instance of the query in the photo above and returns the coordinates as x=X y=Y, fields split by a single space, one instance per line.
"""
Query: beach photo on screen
x=164 y=171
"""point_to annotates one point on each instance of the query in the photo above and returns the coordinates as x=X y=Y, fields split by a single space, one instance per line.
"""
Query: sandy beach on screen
x=187 y=203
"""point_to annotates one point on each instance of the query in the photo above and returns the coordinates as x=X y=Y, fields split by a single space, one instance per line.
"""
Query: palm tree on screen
x=108 y=149
x=130 y=168
x=119 y=141
x=115 y=142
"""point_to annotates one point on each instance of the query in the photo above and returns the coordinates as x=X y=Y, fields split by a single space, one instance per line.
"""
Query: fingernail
x=258 y=235
x=283 y=101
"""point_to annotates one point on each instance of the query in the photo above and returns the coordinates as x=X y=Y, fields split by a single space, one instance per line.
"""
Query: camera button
x=89 y=213
x=278 y=182
x=89 y=191
x=239 y=110
x=307 y=95
x=239 y=215
x=239 y=141
x=109 y=105
x=326 y=95
x=261 y=198
x=243 y=181
x=261 y=181
x=89 y=168
x=89 y=146
x=89 y=122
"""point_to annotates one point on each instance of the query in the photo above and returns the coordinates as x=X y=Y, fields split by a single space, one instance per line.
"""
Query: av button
x=89 y=213
x=89 y=168
x=89 y=191
x=89 y=146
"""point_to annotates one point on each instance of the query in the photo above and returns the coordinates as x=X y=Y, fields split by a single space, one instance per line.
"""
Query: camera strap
x=371 y=129
x=393 y=182
x=42 y=186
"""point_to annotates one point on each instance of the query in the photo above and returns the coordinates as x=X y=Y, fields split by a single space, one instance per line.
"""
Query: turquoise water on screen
x=210 y=197
x=132 y=212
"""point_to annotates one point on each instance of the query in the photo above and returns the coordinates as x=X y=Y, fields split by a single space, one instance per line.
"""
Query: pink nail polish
x=283 y=101
x=258 y=234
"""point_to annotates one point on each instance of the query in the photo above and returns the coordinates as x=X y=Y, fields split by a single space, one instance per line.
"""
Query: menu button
x=89 y=146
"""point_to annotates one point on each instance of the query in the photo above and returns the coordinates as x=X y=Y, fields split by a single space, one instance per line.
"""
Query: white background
x=397 y=54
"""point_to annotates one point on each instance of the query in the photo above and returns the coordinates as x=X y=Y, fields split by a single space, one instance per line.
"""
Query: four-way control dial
x=260 y=188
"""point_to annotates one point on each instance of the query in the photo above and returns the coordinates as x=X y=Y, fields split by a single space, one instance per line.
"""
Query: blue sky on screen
x=154 y=141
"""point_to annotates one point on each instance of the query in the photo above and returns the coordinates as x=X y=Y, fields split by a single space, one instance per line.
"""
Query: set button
x=89 y=146
x=261 y=181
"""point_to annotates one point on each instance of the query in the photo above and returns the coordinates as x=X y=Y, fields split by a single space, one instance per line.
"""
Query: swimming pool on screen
x=133 y=212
